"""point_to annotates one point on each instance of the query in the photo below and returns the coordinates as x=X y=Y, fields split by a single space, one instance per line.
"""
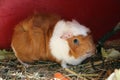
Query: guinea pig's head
x=79 y=40
x=81 y=46
x=71 y=42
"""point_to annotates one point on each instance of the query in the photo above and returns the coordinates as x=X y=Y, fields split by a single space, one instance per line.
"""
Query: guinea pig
x=48 y=37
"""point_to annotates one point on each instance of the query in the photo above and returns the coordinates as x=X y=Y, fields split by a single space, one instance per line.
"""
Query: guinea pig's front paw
x=64 y=64
x=24 y=64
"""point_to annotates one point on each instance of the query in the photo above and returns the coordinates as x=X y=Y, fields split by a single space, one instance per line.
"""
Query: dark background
x=99 y=15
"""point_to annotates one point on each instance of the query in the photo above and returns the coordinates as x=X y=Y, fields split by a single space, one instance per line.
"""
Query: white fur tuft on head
x=77 y=28
x=70 y=28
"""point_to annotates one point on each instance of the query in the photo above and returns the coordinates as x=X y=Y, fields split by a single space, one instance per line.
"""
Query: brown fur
x=31 y=37
x=84 y=46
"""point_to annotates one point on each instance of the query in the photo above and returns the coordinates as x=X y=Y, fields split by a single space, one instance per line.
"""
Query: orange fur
x=31 y=37
x=85 y=45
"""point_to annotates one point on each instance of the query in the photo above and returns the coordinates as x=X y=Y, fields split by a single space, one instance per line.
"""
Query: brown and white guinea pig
x=48 y=37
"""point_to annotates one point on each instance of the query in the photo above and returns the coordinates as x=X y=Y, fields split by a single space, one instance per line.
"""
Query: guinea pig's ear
x=66 y=35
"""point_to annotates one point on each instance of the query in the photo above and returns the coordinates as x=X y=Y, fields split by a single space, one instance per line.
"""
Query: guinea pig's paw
x=64 y=64
x=24 y=64
x=67 y=35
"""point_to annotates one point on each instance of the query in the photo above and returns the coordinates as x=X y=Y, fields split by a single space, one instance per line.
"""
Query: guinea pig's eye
x=76 y=41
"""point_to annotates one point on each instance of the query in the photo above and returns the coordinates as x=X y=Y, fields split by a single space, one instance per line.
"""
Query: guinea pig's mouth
x=90 y=53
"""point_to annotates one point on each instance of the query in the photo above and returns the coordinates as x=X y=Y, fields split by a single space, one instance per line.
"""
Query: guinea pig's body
x=47 y=37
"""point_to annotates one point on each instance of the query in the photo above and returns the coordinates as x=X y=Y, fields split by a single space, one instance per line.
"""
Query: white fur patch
x=70 y=26
x=14 y=50
x=77 y=28
x=60 y=48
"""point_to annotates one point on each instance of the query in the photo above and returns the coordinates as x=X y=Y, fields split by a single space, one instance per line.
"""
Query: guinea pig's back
x=31 y=37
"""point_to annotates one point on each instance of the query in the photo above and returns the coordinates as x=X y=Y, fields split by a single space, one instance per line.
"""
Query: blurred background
x=99 y=15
